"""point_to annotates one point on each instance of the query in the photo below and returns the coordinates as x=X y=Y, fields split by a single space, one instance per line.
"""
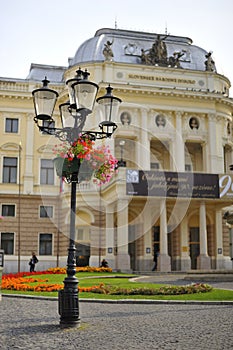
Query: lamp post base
x=68 y=303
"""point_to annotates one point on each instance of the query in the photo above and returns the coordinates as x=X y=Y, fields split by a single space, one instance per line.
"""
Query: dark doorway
x=82 y=254
x=194 y=245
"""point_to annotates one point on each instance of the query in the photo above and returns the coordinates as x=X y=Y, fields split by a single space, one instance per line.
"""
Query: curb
x=125 y=301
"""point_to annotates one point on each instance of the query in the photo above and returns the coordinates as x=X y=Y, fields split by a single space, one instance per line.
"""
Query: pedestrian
x=156 y=255
x=33 y=261
x=104 y=263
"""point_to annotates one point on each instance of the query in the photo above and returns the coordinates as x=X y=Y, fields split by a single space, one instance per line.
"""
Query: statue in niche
x=125 y=118
x=160 y=121
x=193 y=123
x=107 y=51
x=209 y=63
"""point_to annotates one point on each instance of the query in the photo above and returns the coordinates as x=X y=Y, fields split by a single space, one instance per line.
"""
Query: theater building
x=173 y=191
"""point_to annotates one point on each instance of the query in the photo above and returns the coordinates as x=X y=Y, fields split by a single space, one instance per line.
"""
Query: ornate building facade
x=174 y=140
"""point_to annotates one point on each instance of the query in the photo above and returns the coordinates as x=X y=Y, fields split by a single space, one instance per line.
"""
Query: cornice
x=176 y=93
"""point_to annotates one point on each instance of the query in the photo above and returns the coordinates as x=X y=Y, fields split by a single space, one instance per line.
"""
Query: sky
x=50 y=31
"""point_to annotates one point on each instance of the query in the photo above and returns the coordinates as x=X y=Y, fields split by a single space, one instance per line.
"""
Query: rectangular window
x=46 y=211
x=10 y=169
x=80 y=234
x=45 y=247
x=8 y=210
x=7 y=242
x=83 y=234
x=11 y=125
x=47 y=172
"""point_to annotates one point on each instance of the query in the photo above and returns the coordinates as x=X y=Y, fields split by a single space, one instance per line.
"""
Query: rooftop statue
x=209 y=63
x=107 y=51
x=157 y=54
x=174 y=61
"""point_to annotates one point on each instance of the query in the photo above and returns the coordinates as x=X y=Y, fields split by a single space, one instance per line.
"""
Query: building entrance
x=194 y=246
x=82 y=254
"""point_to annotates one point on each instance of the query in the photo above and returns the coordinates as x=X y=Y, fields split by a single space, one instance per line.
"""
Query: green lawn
x=87 y=279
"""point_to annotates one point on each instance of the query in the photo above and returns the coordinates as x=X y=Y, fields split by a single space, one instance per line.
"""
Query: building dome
x=129 y=47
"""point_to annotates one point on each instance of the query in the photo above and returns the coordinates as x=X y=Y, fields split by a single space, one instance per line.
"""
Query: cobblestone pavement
x=34 y=324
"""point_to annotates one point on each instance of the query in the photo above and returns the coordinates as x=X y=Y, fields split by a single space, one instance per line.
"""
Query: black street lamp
x=82 y=96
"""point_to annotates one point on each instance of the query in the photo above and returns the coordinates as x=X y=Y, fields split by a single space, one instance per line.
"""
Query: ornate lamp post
x=82 y=96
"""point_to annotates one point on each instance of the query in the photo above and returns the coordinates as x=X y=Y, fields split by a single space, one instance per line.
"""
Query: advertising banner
x=173 y=184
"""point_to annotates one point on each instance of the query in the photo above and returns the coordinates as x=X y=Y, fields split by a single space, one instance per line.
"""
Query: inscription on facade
x=157 y=78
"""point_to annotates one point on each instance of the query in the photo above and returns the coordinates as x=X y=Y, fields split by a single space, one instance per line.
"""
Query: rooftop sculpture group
x=157 y=55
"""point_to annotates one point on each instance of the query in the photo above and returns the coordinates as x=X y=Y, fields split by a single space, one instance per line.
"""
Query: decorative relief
x=119 y=75
x=131 y=49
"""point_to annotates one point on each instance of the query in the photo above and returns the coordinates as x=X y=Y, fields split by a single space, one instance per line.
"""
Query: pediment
x=45 y=149
x=10 y=146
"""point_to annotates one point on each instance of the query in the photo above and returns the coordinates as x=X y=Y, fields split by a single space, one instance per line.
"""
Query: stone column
x=147 y=262
x=185 y=261
x=123 y=258
x=143 y=144
x=220 y=264
x=215 y=152
x=178 y=161
x=164 y=260
x=203 y=260
x=110 y=257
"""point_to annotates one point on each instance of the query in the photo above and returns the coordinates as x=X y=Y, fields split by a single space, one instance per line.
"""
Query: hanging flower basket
x=82 y=158
x=65 y=168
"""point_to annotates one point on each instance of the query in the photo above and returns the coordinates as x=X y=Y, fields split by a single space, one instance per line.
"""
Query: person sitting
x=104 y=263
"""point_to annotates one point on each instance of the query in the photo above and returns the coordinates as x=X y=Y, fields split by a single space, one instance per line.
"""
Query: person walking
x=156 y=255
x=33 y=261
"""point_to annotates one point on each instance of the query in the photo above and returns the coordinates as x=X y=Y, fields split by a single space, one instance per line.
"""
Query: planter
x=65 y=168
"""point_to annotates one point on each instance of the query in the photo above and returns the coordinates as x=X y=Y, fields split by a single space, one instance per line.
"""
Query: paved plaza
x=34 y=324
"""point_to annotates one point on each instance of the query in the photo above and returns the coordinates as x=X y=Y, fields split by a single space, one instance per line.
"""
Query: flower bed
x=19 y=283
x=166 y=290
x=22 y=284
